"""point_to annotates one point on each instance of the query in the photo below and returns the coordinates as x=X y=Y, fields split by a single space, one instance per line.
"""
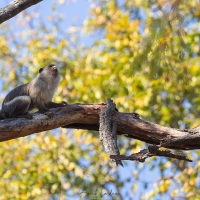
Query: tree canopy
x=145 y=55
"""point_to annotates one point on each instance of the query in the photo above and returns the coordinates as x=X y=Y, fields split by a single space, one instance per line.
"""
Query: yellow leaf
x=7 y=174
x=164 y=186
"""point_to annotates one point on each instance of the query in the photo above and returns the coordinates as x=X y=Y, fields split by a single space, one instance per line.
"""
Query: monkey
x=36 y=94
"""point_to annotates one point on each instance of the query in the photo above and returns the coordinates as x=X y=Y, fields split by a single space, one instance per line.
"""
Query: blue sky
x=74 y=13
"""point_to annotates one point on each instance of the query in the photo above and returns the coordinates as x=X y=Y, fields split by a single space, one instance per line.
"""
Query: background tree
x=146 y=57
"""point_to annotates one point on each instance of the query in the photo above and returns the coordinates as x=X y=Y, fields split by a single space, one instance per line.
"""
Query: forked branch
x=87 y=117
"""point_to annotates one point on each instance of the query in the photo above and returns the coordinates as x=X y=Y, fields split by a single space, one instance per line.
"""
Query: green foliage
x=143 y=60
x=48 y=165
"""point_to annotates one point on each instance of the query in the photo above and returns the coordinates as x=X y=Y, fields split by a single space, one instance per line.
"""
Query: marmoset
x=36 y=94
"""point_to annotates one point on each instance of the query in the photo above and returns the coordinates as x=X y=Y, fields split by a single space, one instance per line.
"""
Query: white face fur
x=46 y=83
x=50 y=74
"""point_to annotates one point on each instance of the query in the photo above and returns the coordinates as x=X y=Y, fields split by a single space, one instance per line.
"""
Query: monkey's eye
x=40 y=70
x=50 y=66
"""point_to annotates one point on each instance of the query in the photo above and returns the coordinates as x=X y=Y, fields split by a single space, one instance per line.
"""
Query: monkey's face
x=50 y=70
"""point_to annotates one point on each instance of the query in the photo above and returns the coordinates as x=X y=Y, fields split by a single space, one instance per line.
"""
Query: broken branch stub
x=107 y=130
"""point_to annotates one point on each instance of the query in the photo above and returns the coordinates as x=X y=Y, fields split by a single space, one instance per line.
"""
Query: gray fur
x=36 y=94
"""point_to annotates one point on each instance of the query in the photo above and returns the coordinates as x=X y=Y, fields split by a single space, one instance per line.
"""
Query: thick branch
x=14 y=8
x=87 y=117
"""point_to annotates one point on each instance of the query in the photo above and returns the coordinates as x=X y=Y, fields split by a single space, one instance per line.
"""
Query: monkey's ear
x=40 y=70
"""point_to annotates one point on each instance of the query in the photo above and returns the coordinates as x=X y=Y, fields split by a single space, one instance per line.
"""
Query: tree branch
x=14 y=8
x=87 y=117
x=151 y=151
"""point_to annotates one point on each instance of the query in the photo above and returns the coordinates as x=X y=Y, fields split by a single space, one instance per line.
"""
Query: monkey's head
x=50 y=75
x=49 y=71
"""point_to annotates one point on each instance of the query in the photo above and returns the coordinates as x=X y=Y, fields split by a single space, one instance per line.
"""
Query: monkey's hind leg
x=18 y=106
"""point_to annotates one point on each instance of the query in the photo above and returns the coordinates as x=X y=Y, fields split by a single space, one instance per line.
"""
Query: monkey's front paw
x=49 y=114
x=64 y=103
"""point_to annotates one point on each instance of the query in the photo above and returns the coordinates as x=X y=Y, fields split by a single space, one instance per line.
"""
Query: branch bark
x=14 y=8
x=87 y=117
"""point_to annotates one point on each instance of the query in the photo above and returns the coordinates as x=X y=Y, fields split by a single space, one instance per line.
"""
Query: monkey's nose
x=54 y=68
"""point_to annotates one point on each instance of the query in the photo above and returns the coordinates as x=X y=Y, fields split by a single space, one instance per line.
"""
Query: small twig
x=151 y=151
x=154 y=150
